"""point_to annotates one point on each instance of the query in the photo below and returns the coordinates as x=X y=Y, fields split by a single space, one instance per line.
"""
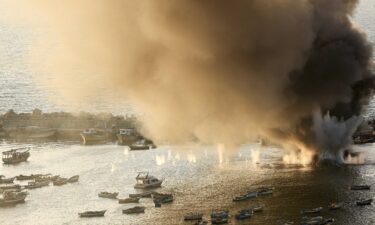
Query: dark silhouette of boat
x=16 y=155
x=4 y=180
x=73 y=179
x=11 y=198
x=92 y=213
x=360 y=187
x=134 y=210
x=110 y=195
x=363 y=202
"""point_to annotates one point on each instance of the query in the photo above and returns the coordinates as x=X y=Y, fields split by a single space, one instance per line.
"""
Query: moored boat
x=144 y=181
x=4 y=180
x=134 y=210
x=73 y=179
x=162 y=198
x=16 y=155
x=128 y=200
x=244 y=214
x=193 y=216
x=110 y=195
x=251 y=194
x=363 y=202
x=240 y=198
x=93 y=136
x=127 y=136
x=10 y=187
x=141 y=195
x=258 y=208
x=25 y=177
x=60 y=182
x=92 y=213
x=12 y=198
x=219 y=213
x=360 y=187
x=37 y=184
x=311 y=211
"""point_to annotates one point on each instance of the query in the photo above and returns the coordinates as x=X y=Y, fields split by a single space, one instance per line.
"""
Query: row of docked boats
x=263 y=191
x=129 y=137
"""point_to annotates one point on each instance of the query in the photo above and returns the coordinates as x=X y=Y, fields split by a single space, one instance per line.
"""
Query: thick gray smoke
x=218 y=70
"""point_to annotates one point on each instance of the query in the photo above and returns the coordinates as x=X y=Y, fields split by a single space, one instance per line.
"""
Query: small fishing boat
x=60 y=182
x=139 y=145
x=110 y=195
x=162 y=198
x=251 y=194
x=144 y=181
x=73 y=179
x=335 y=206
x=265 y=193
x=25 y=177
x=312 y=220
x=127 y=136
x=4 y=180
x=128 y=200
x=258 y=208
x=12 y=198
x=134 y=210
x=16 y=155
x=244 y=214
x=93 y=136
x=141 y=195
x=36 y=184
x=220 y=213
x=193 y=216
x=92 y=213
x=311 y=211
x=362 y=202
x=360 y=187
x=10 y=187
x=240 y=198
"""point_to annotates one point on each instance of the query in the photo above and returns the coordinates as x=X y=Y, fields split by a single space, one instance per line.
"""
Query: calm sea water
x=201 y=177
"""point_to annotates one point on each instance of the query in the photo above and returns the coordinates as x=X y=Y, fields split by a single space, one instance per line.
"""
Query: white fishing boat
x=144 y=180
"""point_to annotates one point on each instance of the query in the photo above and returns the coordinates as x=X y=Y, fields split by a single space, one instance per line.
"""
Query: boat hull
x=91 y=139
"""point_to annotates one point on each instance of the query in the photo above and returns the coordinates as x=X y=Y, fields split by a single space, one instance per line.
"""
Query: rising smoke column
x=221 y=71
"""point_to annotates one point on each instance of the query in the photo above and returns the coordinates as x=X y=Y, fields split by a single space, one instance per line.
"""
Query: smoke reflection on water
x=202 y=178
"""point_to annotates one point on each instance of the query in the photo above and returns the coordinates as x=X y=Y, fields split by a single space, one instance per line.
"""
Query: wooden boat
x=139 y=145
x=73 y=179
x=10 y=187
x=220 y=213
x=12 y=198
x=240 y=198
x=363 y=202
x=105 y=194
x=162 y=198
x=37 y=184
x=127 y=136
x=312 y=221
x=335 y=206
x=134 y=210
x=193 y=216
x=144 y=181
x=128 y=200
x=244 y=214
x=92 y=213
x=7 y=180
x=258 y=208
x=16 y=155
x=25 y=177
x=60 y=182
x=311 y=211
x=360 y=187
x=251 y=194
x=141 y=195
x=93 y=136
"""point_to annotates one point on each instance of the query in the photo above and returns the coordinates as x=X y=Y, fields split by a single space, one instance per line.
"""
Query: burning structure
x=296 y=72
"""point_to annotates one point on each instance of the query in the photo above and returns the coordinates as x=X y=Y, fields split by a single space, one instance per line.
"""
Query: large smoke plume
x=218 y=70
